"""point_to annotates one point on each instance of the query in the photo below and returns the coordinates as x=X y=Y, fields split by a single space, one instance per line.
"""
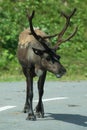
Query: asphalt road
x=65 y=106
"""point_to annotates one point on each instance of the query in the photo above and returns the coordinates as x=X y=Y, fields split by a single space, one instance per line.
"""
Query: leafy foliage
x=13 y=20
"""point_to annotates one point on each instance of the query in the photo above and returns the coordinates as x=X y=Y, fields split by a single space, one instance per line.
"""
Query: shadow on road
x=70 y=118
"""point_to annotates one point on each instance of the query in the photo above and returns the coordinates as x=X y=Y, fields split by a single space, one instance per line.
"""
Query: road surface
x=65 y=106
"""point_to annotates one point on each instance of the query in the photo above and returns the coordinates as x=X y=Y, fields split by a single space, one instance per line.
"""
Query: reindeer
x=37 y=56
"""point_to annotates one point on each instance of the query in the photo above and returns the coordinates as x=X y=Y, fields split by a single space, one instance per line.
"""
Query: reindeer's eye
x=48 y=58
x=59 y=57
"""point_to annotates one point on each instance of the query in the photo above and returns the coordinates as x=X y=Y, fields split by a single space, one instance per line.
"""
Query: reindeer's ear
x=38 y=51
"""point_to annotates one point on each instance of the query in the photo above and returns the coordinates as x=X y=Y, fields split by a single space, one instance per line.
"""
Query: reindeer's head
x=49 y=59
x=49 y=63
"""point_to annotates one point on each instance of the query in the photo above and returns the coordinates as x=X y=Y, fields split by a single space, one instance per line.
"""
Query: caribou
x=37 y=56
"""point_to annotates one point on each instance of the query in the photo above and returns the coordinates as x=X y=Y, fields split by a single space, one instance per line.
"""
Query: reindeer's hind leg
x=39 y=110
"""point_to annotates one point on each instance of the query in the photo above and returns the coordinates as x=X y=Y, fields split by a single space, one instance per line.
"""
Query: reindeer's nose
x=62 y=71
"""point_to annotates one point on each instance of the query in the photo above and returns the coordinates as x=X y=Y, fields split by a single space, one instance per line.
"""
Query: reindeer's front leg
x=40 y=108
x=29 y=94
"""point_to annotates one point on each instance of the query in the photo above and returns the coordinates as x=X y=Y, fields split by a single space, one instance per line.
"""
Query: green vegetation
x=13 y=20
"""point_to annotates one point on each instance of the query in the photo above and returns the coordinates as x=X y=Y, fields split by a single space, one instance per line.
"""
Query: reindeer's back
x=26 y=38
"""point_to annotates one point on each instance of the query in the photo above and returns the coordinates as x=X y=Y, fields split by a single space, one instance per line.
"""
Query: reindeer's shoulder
x=26 y=38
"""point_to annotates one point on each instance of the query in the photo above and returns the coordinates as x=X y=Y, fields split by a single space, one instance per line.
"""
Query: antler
x=43 y=42
x=60 y=35
x=38 y=37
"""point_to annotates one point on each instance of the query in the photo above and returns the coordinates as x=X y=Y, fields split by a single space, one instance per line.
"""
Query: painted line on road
x=52 y=99
x=6 y=107
x=44 y=100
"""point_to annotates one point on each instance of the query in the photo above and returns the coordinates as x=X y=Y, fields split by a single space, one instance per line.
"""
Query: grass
x=75 y=64
x=18 y=76
x=50 y=77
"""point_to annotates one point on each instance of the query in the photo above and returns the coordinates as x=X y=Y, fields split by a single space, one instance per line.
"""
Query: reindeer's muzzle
x=61 y=73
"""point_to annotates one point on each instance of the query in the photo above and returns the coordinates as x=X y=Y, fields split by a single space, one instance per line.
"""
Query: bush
x=13 y=20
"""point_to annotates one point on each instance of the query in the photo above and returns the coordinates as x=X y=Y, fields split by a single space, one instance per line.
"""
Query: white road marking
x=44 y=100
x=52 y=99
x=6 y=107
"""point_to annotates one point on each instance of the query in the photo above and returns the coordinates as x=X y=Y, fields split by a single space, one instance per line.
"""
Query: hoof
x=39 y=115
x=31 y=117
x=39 y=111
x=26 y=109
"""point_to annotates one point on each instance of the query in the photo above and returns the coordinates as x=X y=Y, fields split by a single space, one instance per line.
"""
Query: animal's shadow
x=70 y=118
